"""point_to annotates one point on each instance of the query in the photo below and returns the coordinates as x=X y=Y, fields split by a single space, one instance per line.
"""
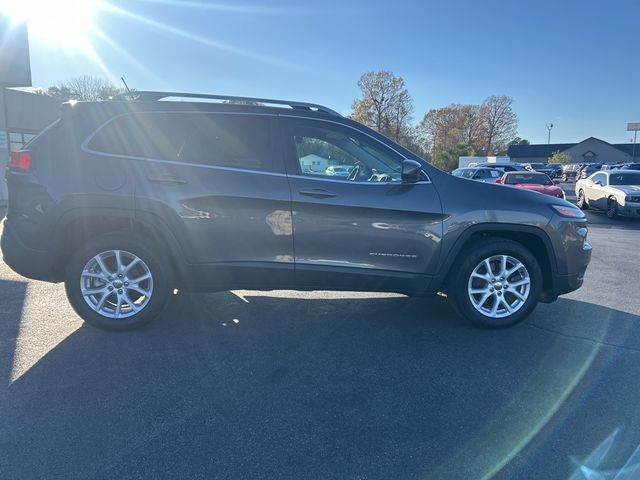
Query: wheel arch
x=533 y=238
x=78 y=226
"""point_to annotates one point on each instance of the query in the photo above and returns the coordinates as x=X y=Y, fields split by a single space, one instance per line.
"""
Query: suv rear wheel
x=115 y=282
x=496 y=283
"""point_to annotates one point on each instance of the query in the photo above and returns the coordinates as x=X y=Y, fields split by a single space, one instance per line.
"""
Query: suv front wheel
x=116 y=282
x=496 y=283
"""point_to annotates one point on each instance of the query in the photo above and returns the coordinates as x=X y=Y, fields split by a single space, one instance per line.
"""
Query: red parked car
x=536 y=181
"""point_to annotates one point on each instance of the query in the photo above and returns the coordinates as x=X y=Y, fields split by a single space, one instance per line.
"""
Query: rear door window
x=212 y=139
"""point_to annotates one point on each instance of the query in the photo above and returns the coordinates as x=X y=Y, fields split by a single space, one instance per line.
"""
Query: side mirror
x=556 y=181
x=597 y=182
x=411 y=171
x=498 y=180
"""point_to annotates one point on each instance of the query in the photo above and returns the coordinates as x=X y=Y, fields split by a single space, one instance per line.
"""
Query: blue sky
x=573 y=63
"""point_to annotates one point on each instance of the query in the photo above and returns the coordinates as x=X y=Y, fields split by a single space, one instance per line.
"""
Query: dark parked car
x=553 y=170
x=534 y=166
x=125 y=200
x=571 y=171
x=550 y=169
x=629 y=166
x=589 y=169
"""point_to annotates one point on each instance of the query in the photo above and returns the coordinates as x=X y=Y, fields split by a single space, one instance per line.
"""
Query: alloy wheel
x=116 y=284
x=499 y=286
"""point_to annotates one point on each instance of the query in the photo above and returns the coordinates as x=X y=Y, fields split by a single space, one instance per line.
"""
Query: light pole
x=633 y=127
x=549 y=127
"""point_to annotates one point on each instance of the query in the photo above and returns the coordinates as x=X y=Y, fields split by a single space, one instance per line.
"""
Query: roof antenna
x=125 y=85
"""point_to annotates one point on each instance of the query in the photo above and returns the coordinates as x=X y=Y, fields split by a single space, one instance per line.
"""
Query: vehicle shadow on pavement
x=12 y=295
x=291 y=387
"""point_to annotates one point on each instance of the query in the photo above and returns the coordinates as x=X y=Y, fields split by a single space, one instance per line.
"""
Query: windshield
x=487 y=173
x=529 y=178
x=624 y=179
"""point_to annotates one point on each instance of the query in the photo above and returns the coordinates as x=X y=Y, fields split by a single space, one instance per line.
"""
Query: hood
x=489 y=196
x=627 y=189
x=546 y=189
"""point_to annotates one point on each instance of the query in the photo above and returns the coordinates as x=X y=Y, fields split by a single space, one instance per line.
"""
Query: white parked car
x=617 y=192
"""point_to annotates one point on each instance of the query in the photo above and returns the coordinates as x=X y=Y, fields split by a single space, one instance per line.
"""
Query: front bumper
x=569 y=282
x=631 y=209
x=30 y=263
x=573 y=254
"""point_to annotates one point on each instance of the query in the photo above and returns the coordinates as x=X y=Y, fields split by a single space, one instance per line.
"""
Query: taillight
x=20 y=160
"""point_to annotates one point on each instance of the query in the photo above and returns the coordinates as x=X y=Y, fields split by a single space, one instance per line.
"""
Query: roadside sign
x=633 y=127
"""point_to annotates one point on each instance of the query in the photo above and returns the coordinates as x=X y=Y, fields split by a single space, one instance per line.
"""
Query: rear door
x=367 y=230
x=217 y=180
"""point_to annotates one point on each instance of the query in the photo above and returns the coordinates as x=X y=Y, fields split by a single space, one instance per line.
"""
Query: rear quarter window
x=215 y=139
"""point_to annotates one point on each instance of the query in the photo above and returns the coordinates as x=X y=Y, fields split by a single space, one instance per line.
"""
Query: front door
x=356 y=225
x=596 y=191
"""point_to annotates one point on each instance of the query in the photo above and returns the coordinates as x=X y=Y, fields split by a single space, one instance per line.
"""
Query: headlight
x=568 y=211
x=632 y=198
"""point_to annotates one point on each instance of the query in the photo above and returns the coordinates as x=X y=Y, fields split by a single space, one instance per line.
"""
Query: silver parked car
x=485 y=175
x=617 y=192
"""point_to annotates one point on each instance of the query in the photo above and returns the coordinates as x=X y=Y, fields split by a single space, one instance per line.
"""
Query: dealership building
x=589 y=150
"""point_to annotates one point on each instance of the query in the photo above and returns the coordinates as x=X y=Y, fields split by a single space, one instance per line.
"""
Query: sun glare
x=65 y=23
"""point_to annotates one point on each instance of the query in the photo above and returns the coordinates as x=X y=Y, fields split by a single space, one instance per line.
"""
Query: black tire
x=469 y=258
x=582 y=201
x=612 y=208
x=129 y=242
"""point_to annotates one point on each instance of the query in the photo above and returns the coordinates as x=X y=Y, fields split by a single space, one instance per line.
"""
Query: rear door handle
x=317 y=193
x=166 y=180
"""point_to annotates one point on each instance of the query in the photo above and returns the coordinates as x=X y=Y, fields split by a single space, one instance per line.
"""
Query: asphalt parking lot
x=325 y=385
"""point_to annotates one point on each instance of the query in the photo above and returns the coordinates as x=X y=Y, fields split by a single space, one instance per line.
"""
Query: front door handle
x=166 y=180
x=317 y=193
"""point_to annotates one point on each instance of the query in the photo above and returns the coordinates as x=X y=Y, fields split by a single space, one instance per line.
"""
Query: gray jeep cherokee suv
x=125 y=200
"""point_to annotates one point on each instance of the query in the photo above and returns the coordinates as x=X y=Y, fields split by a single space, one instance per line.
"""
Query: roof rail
x=151 y=96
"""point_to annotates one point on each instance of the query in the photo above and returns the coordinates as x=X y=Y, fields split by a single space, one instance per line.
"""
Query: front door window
x=339 y=152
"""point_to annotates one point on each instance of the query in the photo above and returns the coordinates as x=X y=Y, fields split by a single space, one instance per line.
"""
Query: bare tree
x=500 y=123
x=385 y=105
x=472 y=127
x=84 y=87
x=399 y=118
